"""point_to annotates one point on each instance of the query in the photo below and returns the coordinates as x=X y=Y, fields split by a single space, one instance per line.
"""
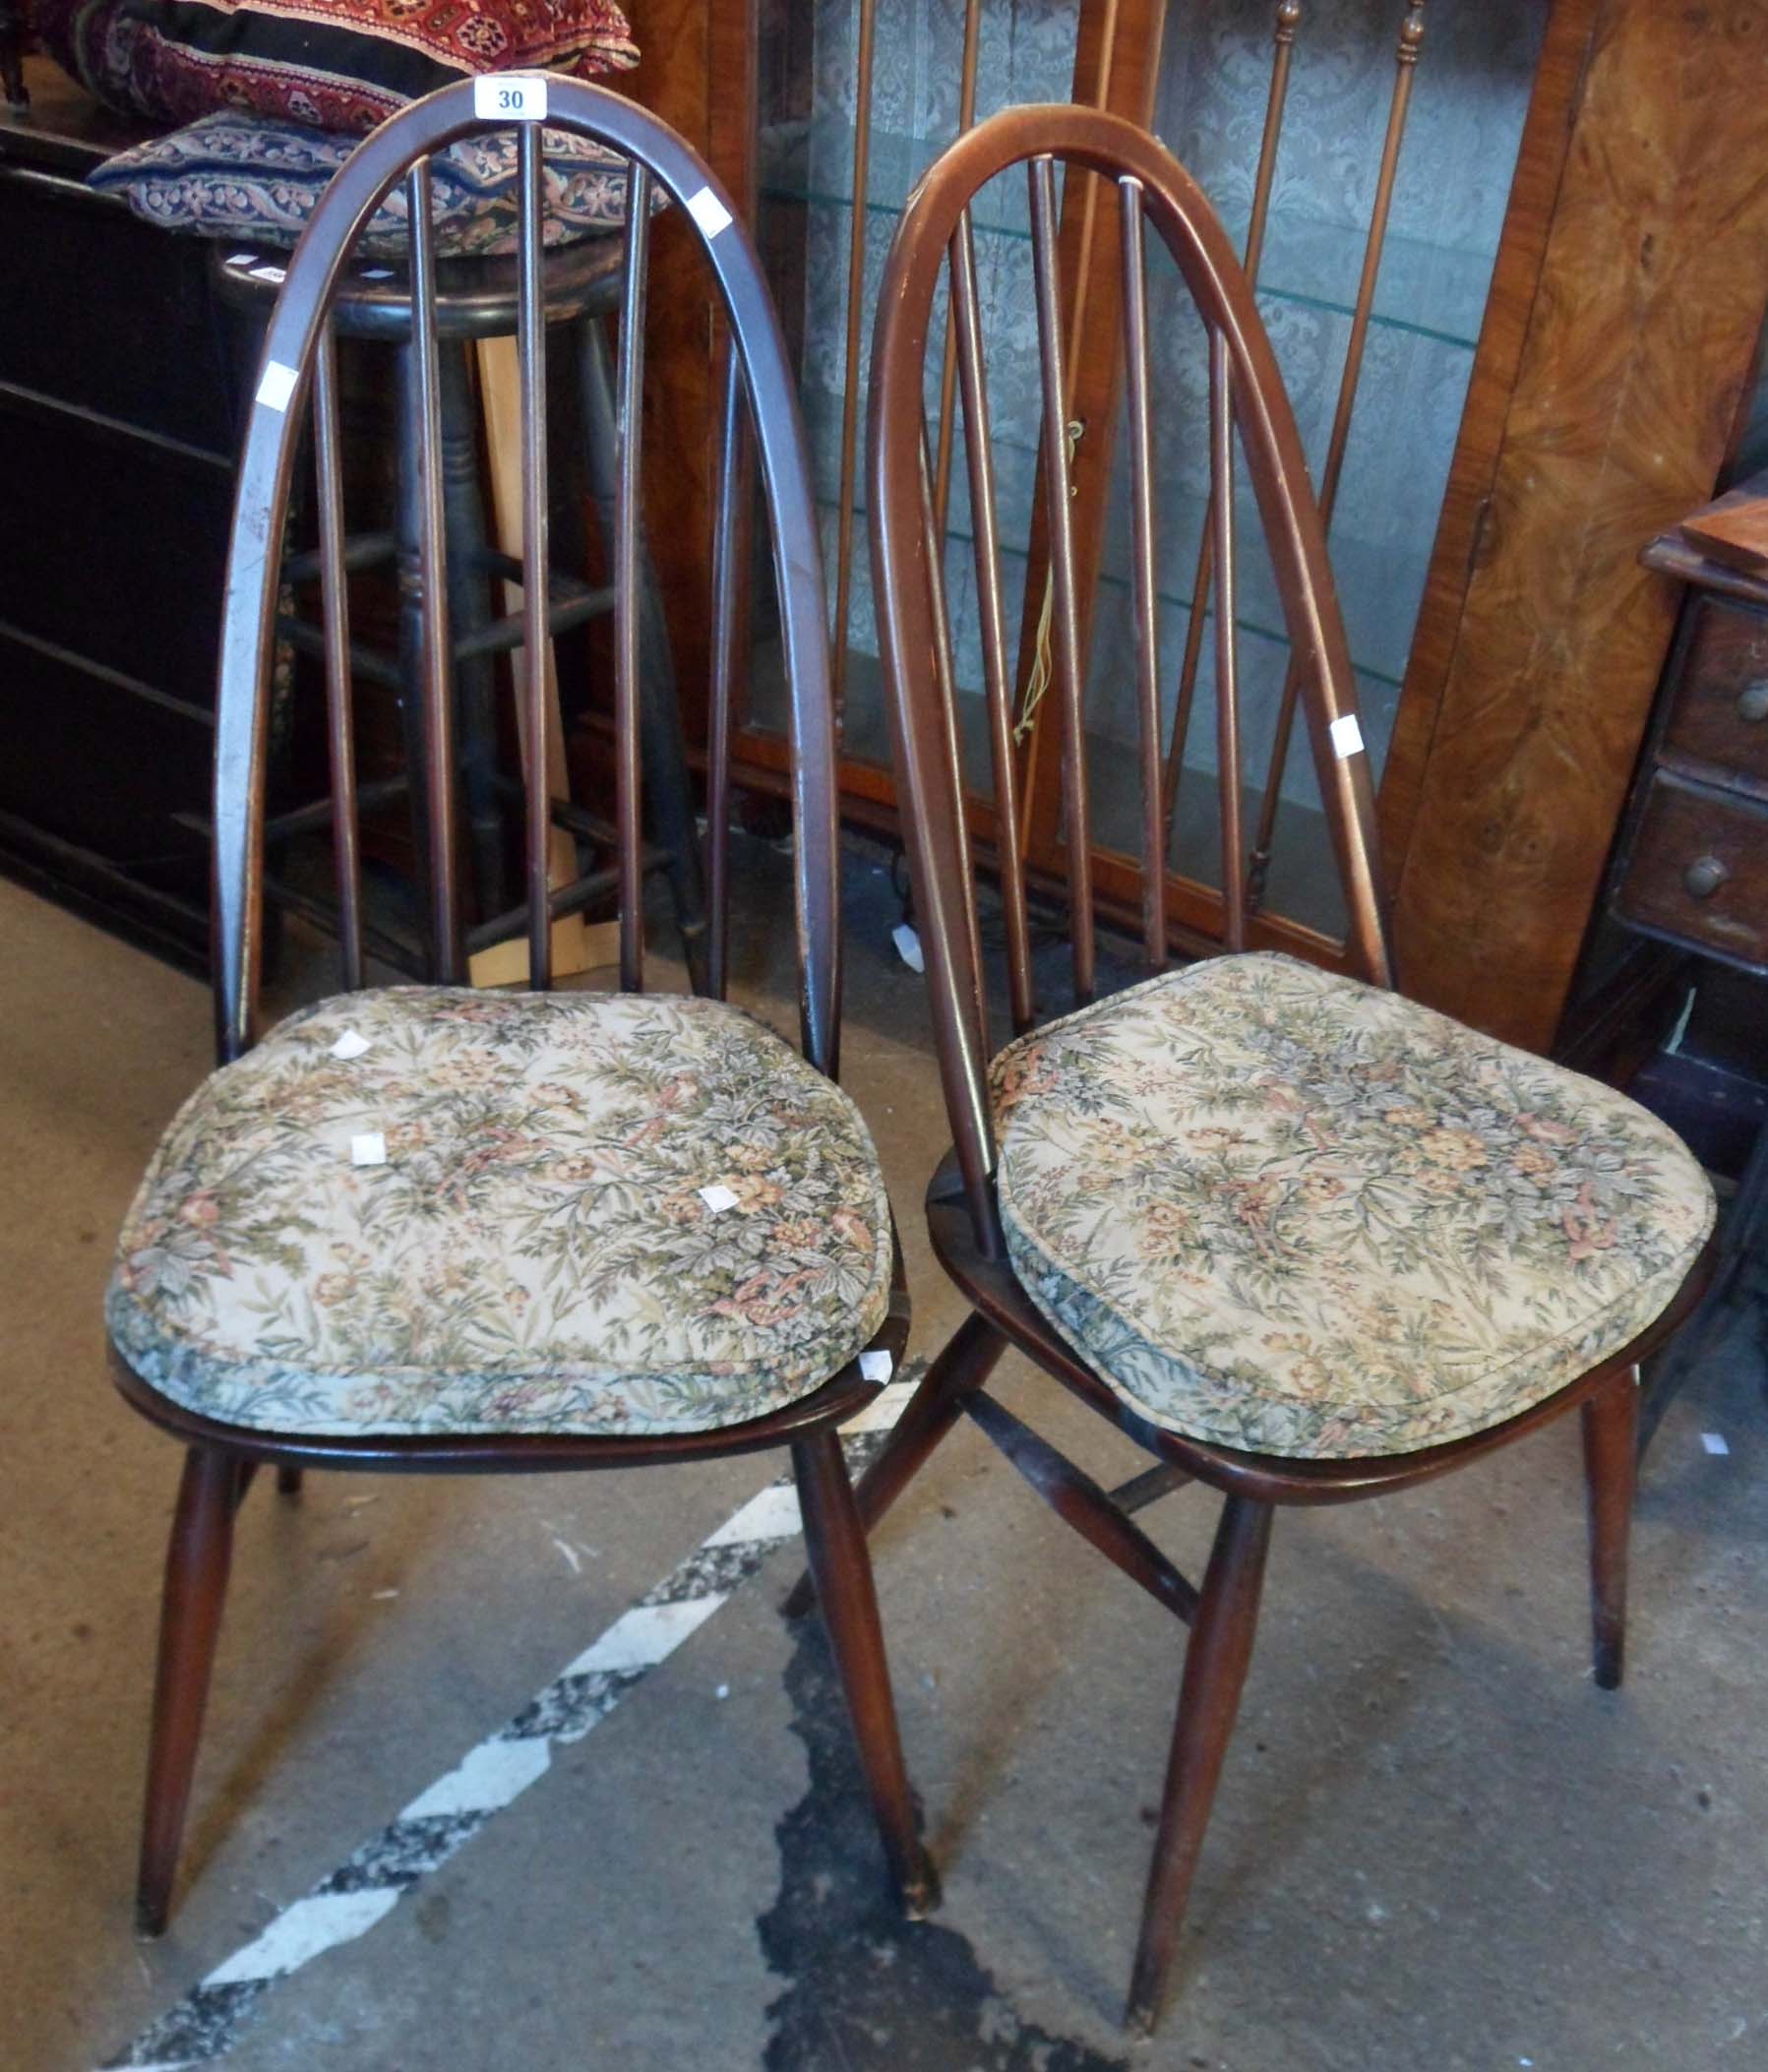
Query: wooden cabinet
x=1603 y=353
x=115 y=491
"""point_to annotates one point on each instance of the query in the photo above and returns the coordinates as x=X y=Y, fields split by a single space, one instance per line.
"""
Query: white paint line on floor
x=364 y=1889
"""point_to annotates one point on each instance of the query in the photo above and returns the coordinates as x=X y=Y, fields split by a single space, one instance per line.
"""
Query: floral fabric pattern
x=336 y=64
x=1288 y=1213
x=536 y=1252
x=249 y=177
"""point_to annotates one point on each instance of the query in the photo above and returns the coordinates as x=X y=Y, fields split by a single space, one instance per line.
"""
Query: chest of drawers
x=1692 y=864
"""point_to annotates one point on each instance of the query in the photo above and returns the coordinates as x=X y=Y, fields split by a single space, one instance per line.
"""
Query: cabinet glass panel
x=1469 y=92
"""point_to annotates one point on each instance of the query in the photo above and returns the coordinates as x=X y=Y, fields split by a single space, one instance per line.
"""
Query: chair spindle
x=1065 y=630
x=629 y=405
x=1142 y=511
x=1227 y=678
x=438 y=666
x=335 y=612
x=726 y=599
x=536 y=558
x=984 y=533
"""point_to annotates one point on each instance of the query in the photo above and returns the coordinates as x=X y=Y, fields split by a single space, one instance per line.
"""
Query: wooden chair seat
x=533 y=1253
x=1285 y=1212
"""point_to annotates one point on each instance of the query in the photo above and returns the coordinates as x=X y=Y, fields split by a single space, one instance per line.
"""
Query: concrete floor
x=1436 y=1847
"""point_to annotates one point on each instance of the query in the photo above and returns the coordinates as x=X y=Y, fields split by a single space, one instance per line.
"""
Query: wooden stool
x=476 y=302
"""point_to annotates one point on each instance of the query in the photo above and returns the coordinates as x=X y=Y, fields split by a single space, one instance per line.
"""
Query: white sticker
x=368 y=1149
x=276 y=275
x=508 y=97
x=351 y=1044
x=275 y=385
x=1347 y=737
x=718 y=1199
x=708 y=211
x=1714 y=1442
x=877 y=1367
x=908 y=946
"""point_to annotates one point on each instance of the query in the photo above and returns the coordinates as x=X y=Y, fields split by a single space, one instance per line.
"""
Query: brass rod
x=850 y=395
x=726 y=589
x=1227 y=679
x=1065 y=630
x=1412 y=35
x=530 y=347
x=1141 y=513
x=1283 y=39
x=991 y=615
x=966 y=119
x=629 y=413
x=437 y=670
x=335 y=611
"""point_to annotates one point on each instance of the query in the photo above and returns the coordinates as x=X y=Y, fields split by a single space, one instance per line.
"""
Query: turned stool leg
x=469 y=613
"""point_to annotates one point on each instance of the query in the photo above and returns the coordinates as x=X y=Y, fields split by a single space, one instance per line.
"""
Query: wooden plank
x=697 y=73
x=1639 y=337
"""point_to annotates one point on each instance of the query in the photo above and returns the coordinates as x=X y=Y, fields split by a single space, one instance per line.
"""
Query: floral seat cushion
x=1288 y=1213
x=595 y=1214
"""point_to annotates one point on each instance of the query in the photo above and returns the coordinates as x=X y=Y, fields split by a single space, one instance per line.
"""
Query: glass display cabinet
x=1360 y=153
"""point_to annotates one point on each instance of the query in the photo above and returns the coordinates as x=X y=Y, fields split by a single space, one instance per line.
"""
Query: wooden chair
x=427 y=1229
x=1300 y=1240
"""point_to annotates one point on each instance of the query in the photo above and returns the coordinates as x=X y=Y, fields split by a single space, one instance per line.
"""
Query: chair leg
x=963 y=1365
x=196 y=1583
x=289 y=1482
x=1216 y=1672
x=1610 y=1463
x=842 y=1567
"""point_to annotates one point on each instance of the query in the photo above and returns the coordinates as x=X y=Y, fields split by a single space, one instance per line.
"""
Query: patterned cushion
x=536 y=1253
x=1291 y=1214
x=245 y=178
x=339 y=64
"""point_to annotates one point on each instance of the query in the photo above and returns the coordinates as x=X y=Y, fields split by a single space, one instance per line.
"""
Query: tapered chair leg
x=1215 y=1673
x=1610 y=1463
x=842 y=1568
x=196 y=1583
x=962 y=1367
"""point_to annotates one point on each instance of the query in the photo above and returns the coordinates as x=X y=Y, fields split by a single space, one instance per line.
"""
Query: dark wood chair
x=1300 y=1240
x=429 y=1229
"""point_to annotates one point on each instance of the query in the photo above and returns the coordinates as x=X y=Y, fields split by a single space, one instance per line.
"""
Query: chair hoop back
x=1247 y=399
x=298 y=367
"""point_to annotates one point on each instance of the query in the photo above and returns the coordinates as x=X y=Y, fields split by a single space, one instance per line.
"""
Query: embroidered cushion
x=1288 y=1213
x=338 y=64
x=536 y=1253
x=251 y=178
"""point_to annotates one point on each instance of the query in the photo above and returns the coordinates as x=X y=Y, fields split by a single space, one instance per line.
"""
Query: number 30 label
x=508 y=97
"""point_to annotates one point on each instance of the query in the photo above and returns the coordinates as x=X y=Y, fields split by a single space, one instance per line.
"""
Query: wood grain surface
x=1639 y=337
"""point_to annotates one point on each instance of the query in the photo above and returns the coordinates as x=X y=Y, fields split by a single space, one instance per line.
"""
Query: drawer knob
x=1753 y=699
x=1703 y=877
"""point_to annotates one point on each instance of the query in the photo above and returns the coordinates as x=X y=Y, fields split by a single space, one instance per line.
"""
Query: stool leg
x=407 y=533
x=668 y=789
x=469 y=611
